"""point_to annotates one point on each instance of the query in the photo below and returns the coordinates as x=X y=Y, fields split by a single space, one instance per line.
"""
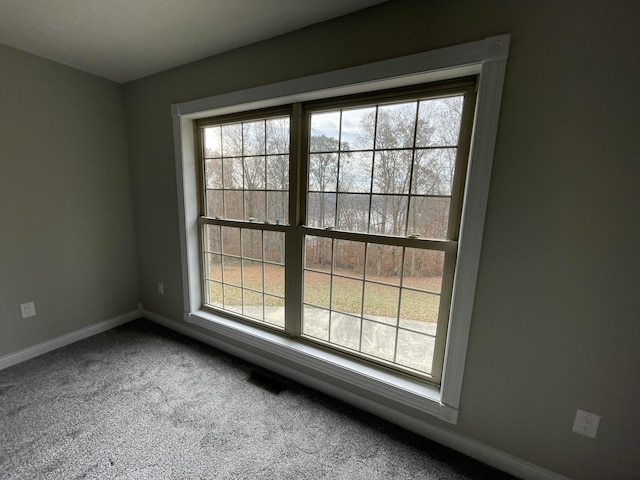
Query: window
x=283 y=345
x=375 y=220
x=245 y=172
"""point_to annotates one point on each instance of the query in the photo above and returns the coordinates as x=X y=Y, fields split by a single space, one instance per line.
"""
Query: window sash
x=243 y=224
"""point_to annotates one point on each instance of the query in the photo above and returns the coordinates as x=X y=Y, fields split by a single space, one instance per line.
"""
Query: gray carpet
x=142 y=402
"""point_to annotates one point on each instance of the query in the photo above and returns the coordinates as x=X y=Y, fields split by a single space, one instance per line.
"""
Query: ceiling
x=123 y=40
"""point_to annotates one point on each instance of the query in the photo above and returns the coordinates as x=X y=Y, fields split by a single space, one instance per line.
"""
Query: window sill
x=324 y=370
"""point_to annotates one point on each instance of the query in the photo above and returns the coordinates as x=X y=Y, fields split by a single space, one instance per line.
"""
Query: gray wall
x=66 y=218
x=555 y=324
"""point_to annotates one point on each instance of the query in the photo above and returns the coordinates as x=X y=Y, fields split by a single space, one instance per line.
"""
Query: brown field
x=380 y=298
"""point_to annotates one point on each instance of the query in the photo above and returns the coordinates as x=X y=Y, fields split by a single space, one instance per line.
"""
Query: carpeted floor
x=142 y=402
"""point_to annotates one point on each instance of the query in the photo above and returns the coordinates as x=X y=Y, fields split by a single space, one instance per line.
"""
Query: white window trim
x=486 y=58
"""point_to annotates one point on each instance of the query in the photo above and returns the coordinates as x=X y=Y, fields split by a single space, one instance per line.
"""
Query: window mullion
x=373 y=166
x=364 y=286
x=395 y=345
x=411 y=172
x=339 y=154
x=294 y=239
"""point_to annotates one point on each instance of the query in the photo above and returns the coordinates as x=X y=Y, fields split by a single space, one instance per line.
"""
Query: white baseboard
x=472 y=448
x=67 y=339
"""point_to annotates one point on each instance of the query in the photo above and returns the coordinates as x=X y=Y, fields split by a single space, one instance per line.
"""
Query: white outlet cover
x=586 y=423
x=28 y=309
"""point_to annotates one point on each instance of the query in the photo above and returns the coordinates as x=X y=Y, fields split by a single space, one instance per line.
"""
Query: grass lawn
x=381 y=299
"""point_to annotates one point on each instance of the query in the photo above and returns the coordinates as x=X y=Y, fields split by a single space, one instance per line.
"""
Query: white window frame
x=335 y=374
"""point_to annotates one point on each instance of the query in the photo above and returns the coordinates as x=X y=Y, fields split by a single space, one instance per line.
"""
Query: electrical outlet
x=161 y=288
x=28 y=309
x=586 y=423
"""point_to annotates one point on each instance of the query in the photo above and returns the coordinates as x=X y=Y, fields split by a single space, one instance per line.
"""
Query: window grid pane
x=244 y=272
x=377 y=300
x=246 y=170
x=384 y=169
